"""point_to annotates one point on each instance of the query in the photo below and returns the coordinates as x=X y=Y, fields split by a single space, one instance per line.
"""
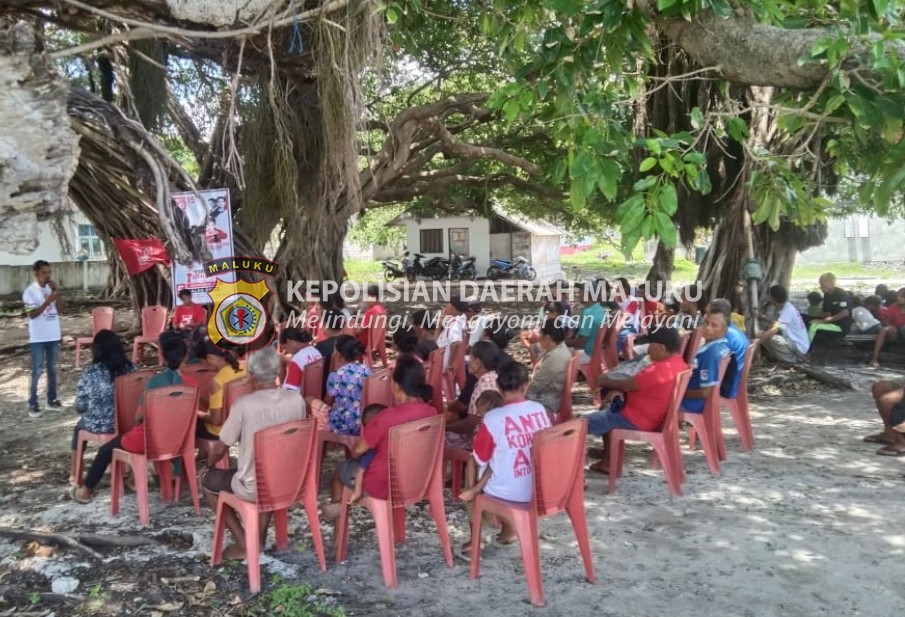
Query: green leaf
x=697 y=158
x=737 y=129
x=647 y=227
x=669 y=202
x=647 y=164
x=653 y=145
x=511 y=110
x=697 y=118
x=666 y=229
x=701 y=182
x=763 y=211
x=834 y=103
x=662 y=5
x=644 y=183
x=392 y=14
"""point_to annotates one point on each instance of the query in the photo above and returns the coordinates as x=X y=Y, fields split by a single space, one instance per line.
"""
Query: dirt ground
x=805 y=525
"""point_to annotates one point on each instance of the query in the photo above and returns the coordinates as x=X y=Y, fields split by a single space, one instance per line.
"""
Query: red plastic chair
x=234 y=390
x=433 y=369
x=738 y=407
x=313 y=379
x=153 y=322
x=705 y=424
x=415 y=469
x=610 y=353
x=592 y=369
x=169 y=434
x=284 y=475
x=456 y=366
x=378 y=389
x=564 y=413
x=377 y=341
x=557 y=457
x=202 y=376
x=101 y=319
x=693 y=344
x=127 y=391
x=457 y=458
x=665 y=442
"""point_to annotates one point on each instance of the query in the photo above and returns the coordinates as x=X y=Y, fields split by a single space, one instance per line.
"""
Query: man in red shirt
x=374 y=313
x=647 y=394
x=188 y=315
x=893 y=323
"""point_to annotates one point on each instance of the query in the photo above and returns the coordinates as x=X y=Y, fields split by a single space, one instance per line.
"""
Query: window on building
x=431 y=241
x=458 y=240
x=90 y=242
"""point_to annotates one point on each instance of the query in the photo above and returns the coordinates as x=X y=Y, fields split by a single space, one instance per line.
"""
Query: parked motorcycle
x=435 y=267
x=461 y=269
x=392 y=270
x=519 y=269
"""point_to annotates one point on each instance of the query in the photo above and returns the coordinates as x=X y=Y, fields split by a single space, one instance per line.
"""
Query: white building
x=504 y=236
x=859 y=238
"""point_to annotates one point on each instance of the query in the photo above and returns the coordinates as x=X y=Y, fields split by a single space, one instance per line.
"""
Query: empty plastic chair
x=557 y=457
x=415 y=471
x=169 y=434
x=284 y=475
x=102 y=318
x=153 y=322
x=665 y=442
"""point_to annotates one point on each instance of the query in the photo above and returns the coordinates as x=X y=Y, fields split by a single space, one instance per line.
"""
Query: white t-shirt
x=295 y=370
x=503 y=441
x=45 y=328
x=478 y=325
x=453 y=332
x=793 y=329
x=864 y=319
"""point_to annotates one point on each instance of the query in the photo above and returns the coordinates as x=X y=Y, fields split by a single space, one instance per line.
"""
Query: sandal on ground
x=876 y=439
x=463 y=551
x=890 y=451
x=499 y=541
x=74 y=496
x=598 y=467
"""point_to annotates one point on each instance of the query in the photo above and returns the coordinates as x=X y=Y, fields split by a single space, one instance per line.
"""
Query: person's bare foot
x=468 y=494
x=600 y=466
x=505 y=540
x=234 y=552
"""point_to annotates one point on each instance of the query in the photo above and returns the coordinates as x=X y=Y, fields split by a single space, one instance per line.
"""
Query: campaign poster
x=208 y=221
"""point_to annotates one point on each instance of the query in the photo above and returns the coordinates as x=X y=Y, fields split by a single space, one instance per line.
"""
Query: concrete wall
x=14 y=279
x=545 y=257
x=49 y=247
x=373 y=252
x=478 y=237
x=859 y=239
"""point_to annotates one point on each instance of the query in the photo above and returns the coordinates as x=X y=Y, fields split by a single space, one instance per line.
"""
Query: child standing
x=367 y=414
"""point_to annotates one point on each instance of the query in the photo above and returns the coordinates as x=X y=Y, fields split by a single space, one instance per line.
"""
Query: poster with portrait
x=208 y=221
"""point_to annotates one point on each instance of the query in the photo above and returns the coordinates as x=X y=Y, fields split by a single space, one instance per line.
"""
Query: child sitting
x=487 y=400
x=367 y=414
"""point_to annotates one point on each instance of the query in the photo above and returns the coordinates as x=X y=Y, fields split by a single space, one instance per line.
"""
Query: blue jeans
x=41 y=354
x=603 y=421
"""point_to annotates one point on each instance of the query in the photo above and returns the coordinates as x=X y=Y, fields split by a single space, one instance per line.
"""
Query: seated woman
x=340 y=410
x=225 y=365
x=484 y=360
x=173 y=349
x=405 y=341
x=94 y=397
x=411 y=391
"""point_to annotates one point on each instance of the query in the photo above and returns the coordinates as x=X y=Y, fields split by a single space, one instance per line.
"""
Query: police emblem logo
x=239 y=316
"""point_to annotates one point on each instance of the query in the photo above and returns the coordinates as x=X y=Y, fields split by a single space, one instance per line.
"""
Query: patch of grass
x=845 y=270
x=361 y=270
x=605 y=261
x=290 y=600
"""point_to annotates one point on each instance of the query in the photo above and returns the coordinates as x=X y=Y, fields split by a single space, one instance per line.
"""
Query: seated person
x=94 y=398
x=300 y=352
x=367 y=414
x=866 y=315
x=489 y=400
x=331 y=324
x=483 y=363
x=340 y=410
x=225 y=365
x=173 y=349
x=424 y=323
x=593 y=316
x=549 y=376
x=892 y=327
x=188 y=315
x=631 y=311
x=267 y=406
x=837 y=306
x=641 y=402
x=815 y=308
x=531 y=337
x=738 y=343
x=692 y=300
x=405 y=341
x=889 y=397
x=786 y=338
x=503 y=443
x=374 y=316
x=706 y=366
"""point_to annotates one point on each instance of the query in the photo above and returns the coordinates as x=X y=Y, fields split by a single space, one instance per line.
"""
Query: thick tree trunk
x=664 y=264
x=311 y=251
x=720 y=271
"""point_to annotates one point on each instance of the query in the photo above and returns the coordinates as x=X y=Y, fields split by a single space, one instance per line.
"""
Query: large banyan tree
x=738 y=115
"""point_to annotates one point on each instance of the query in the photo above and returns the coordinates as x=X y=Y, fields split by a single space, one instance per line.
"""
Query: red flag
x=141 y=254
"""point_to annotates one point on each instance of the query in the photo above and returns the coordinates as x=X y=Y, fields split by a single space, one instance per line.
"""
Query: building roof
x=536 y=227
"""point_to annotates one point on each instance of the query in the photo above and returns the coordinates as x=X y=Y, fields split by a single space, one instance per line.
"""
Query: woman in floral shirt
x=484 y=359
x=345 y=387
x=94 y=393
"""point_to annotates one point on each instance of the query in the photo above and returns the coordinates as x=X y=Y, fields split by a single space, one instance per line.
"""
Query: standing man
x=43 y=303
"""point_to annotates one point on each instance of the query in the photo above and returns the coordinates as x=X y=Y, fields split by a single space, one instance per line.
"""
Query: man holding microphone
x=43 y=303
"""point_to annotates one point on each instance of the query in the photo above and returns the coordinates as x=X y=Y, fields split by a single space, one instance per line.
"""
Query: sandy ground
x=805 y=525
